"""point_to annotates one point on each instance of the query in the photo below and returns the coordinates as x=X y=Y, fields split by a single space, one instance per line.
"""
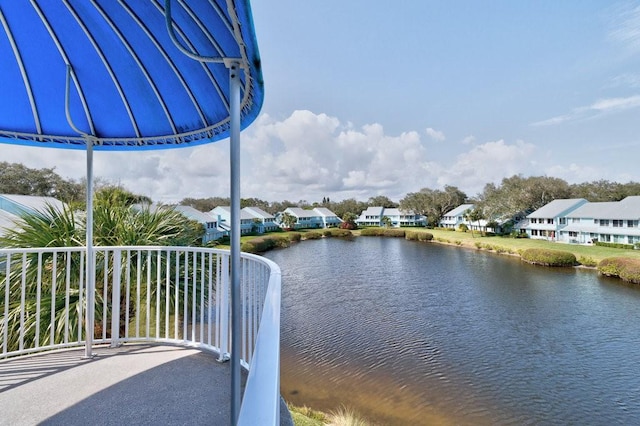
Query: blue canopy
x=116 y=71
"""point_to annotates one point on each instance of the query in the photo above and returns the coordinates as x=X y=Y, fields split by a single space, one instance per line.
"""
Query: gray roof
x=557 y=208
x=459 y=210
x=323 y=211
x=258 y=213
x=195 y=214
x=244 y=215
x=34 y=202
x=297 y=211
x=629 y=208
x=372 y=211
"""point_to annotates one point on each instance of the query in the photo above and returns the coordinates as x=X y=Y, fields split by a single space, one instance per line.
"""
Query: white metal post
x=91 y=281
x=234 y=149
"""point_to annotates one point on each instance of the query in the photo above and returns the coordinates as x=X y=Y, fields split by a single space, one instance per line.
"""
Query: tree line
x=513 y=196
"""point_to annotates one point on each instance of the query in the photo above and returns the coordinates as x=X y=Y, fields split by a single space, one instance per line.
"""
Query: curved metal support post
x=179 y=46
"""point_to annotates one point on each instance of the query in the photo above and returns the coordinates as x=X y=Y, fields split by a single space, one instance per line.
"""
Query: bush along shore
x=537 y=252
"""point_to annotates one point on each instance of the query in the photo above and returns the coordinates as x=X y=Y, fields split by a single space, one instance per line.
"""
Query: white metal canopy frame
x=115 y=75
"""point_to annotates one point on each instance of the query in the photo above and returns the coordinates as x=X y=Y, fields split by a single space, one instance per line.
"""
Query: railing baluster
x=7 y=290
x=38 y=301
x=22 y=300
x=115 y=298
x=158 y=286
x=147 y=333
x=54 y=290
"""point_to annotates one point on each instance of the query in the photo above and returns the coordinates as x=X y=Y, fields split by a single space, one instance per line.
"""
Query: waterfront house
x=211 y=230
x=305 y=219
x=263 y=221
x=581 y=222
x=610 y=222
x=223 y=217
x=329 y=218
x=373 y=216
x=546 y=222
x=456 y=217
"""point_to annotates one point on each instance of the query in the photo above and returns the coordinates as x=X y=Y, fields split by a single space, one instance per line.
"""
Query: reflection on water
x=418 y=333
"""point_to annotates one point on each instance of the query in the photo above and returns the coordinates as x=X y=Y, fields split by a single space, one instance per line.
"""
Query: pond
x=406 y=332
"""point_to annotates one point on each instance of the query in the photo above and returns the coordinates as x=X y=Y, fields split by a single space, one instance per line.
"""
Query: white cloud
x=488 y=162
x=468 y=140
x=626 y=26
x=596 y=109
x=436 y=135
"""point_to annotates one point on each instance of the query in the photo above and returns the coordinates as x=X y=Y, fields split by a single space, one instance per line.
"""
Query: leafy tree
x=288 y=220
x=349 y=221
x=21 y=180
x=386 y=221
x=206 y=204
x=517 y=195
x=604 y=190
x=383 y=201
x=433 y=203
x=474 y=215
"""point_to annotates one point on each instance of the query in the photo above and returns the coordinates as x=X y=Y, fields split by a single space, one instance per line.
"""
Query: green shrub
x=326 y=233
x=312 y=235
x=614 y=245
x=478 y=244
x=294 y=236
x=458 y=242
x=587 y=261
x=425 y=236
x=411 y=235
x=340 y=233
x=450 y=229
x=548 y=257
x=371 y=232
x=463 y=228
x=625 y=268
x=394 y=233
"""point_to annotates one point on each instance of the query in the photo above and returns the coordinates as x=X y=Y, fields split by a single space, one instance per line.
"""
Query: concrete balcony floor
x=137 y=384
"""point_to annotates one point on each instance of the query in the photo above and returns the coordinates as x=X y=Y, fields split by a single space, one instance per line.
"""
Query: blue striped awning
x=115 y=71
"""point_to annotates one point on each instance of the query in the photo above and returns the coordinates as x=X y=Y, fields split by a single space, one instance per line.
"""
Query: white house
x=210 y=223
x=223 y=216
x=546 y=222
x=264 y=222
x=329 y=218
x=455 y=217
x=611 y=222
x=582 y=222
x=304 y=218
x=373 y=216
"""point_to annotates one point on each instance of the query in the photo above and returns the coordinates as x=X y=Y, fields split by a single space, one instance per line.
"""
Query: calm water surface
x=414 y=333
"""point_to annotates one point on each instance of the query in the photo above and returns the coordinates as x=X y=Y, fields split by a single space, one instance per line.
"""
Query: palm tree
x=386 y=221
x=116 y=223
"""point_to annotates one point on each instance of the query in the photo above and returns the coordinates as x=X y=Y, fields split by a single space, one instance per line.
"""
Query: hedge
x=615 y=245
x=312 y=235
x=418 y=236
x=546 y=257
x=625 y=268
x=338 y=232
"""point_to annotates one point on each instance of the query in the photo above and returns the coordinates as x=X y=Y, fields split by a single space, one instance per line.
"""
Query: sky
x=367 y=98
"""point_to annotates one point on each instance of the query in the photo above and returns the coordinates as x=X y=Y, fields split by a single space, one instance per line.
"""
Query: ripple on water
x=410 y=333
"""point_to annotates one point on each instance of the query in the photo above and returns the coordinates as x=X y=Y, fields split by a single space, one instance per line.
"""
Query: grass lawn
x=513 y=245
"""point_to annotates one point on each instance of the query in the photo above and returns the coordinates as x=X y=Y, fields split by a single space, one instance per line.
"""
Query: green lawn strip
x=514 y=245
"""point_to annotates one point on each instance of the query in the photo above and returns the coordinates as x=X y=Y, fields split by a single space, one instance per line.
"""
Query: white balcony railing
x=176 y=295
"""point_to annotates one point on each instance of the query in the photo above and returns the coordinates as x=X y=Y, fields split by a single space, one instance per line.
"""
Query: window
x=573 y=234
x=563 y=221
x=632 y=224
x=604 y=222
x=618 y=223
x=534 y=220
x=605 y=238
x=575 y=220
x=550 y=221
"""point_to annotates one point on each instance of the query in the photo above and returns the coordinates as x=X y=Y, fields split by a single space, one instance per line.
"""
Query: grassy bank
x=517 y=245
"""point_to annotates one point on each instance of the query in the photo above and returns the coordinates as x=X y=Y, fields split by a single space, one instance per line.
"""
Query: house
x=374 y=216
x=329 y=218
x=581 y=222
x=223 y=217
x=319 y=217
x=211 y=230
x=546 y=222
x=264 y=222
x=455 y=217
x=610 y=222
